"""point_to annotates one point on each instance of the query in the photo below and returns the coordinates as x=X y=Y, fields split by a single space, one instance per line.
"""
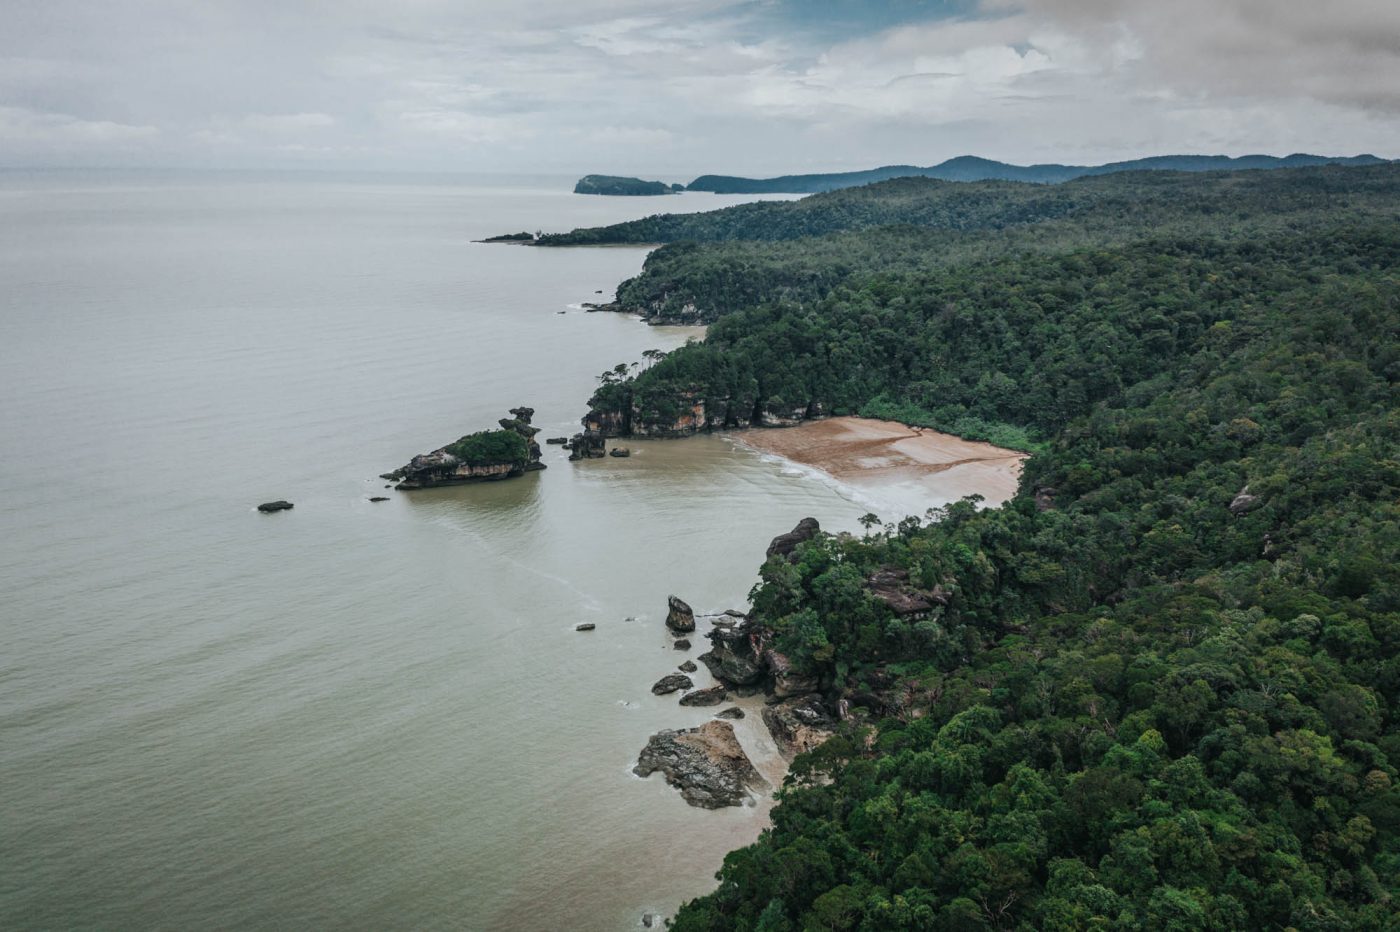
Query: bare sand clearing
x=924 y=464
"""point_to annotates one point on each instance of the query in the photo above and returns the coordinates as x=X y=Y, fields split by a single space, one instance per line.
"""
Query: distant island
x=624 y=187
x=972 y=168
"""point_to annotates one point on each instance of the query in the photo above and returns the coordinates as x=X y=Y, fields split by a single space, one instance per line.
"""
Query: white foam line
x=792 y=469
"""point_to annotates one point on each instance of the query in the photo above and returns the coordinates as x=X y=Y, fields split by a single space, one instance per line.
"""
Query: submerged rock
x=706 y=764
x=270 y=507
x=712 y=696
x=682 y=644
x=784 y=544
x=619 y=452
x=586 y=626
x=732 y=712
x=380 y=498
x=679 y=617
x=799 y=724
x=557 y=440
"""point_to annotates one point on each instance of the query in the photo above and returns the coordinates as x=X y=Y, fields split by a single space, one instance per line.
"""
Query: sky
x=673 y=88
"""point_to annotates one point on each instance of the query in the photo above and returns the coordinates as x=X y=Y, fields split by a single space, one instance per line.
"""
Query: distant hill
x=627 y=187
x=972 y=168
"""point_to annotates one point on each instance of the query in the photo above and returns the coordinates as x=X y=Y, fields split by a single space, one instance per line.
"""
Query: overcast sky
x=672 y=88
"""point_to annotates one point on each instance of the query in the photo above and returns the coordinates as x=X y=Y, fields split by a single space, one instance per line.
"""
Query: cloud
x=20 y=126
x=684 y=86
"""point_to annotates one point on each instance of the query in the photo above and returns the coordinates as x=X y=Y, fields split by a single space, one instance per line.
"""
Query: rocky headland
x=484 y=456
x=618 y=186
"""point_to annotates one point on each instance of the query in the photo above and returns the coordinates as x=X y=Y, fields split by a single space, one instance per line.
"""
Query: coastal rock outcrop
x=706 y=764
x=785 y=544
x=672 y=683
x=679 y=616
x=787 y=682
x=799 y=724
x=589 y=445
x=735 y=658
x=711 y=696
x=1243 y=502
x=480 y=457
x=891 y=586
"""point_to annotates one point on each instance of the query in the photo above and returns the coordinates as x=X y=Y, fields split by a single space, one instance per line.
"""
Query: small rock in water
x=647 y=919
x=380 y=498
x=682 y=644
x=671 y=683
x=619 y=451
x=557 y=440
x=688 y=667
x=586 y=626
x=732 y=712
x=269 y=507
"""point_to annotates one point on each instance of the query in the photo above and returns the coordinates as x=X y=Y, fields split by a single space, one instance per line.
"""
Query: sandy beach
x=911 y=467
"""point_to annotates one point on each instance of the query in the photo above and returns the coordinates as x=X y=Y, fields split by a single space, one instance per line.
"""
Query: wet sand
x=908 y=465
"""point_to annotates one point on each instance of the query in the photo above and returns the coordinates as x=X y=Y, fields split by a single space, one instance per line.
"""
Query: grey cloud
x=683 y=86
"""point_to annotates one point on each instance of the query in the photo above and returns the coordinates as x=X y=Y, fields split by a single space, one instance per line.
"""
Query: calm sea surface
x=355 y=715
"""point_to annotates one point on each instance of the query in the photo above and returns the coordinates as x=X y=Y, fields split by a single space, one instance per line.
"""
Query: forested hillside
x=972 y=168
x=1158 y=688
x=1104 y=203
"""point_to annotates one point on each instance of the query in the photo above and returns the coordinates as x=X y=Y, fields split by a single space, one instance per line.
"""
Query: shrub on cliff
x=491 y=448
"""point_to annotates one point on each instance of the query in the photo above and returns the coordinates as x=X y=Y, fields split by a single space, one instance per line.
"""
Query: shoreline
x=906 y=464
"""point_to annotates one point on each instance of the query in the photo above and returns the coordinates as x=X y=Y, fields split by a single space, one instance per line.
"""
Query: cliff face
x=480 y=457
x=688 y=413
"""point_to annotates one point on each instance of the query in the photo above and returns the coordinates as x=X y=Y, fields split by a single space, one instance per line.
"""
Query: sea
x=352 y=714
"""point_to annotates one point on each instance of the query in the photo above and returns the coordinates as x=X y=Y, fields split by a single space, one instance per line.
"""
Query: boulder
x=712 y=696
x=891 y=586
x=784 y=544
x=619 y=452
x=706 y=764
x=268 y=508
x=670 y=683
x=688 y=667
x=682 y=644
x=679 y=617
x=799 y=724
x=732 y=712
x=1243 y=502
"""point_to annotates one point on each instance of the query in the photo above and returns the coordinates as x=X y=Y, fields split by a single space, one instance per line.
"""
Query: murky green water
x=351 y=714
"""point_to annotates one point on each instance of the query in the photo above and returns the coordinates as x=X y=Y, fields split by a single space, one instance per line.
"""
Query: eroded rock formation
x=706 y=764
x=483 y=456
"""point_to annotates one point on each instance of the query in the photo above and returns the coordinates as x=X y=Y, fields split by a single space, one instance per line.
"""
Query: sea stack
x=480 y=457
